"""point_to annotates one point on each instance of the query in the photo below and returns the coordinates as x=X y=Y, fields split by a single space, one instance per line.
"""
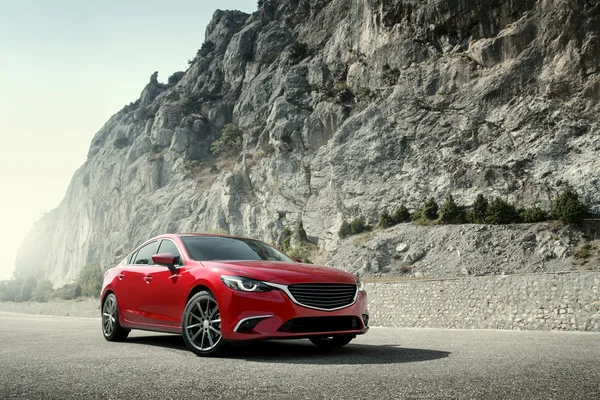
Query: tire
x=111 y=328
x=331 y=342
x=201 y=325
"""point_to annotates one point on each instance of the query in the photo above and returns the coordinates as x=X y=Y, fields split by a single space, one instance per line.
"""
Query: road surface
x=45 y=357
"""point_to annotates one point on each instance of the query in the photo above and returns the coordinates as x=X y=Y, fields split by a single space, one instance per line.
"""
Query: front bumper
x=279 y=317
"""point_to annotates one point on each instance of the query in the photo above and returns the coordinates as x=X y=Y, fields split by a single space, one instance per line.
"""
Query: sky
x=66 y=66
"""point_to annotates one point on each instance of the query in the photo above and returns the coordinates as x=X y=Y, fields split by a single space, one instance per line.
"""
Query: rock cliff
x=347 y=107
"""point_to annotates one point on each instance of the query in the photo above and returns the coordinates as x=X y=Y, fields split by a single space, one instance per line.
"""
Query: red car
x=213 y=289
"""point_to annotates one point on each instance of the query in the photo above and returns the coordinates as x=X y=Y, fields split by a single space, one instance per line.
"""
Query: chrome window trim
x=249 y=318
x=285 y=289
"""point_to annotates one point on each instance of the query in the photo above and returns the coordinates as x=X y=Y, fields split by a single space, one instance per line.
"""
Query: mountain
x=347 y=108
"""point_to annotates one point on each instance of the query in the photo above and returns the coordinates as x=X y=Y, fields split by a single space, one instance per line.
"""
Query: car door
x=164 y=293
x=129 y=290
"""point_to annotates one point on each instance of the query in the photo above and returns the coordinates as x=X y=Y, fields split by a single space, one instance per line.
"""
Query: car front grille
x=320 y=324
x=324 y=296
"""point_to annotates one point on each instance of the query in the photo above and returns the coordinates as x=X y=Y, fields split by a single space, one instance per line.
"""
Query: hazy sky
x=65 y=67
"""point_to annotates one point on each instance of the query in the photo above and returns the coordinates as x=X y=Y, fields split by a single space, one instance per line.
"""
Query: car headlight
x=361 y=285
x=245 y=284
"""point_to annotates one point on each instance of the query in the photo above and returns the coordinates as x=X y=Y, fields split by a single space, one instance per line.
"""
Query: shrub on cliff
x=344 y=231
x=175 y=78
x=401 y=215
x=386 y=220
x=68 y=292
x=568 y=208
x=358 y=226
x=206 y=48
x=430 y=209
x=230 y=142
x=298 y=51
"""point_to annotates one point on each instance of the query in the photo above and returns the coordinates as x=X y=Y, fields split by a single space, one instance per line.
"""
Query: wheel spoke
x=195 y=316
x=201 y=311
x=215 y=321
x=210 y=339
x=196 y=335
x=193 y=326
x=214 y=330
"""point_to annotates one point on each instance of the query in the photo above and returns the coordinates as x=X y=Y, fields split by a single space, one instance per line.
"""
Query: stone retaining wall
x=559 y=301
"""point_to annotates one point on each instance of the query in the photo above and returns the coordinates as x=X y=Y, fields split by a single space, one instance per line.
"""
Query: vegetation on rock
x=230 y=142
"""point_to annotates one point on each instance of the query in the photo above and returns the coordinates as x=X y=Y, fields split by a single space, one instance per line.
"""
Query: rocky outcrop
x=348 y=107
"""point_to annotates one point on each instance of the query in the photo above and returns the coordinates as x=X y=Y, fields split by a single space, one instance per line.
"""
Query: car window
x=144 y=254
x=167 y=246
x=131 y=257
x=206 y=248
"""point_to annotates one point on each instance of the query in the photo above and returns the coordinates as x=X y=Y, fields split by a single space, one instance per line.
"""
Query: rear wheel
x=111 y=328
x=201 y=325
x=331 y=342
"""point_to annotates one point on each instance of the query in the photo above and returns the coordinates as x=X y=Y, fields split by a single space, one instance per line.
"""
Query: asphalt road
x=67 y=358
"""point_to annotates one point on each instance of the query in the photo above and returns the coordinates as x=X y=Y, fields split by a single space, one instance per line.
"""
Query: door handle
x=148 y=278
x=120 y=276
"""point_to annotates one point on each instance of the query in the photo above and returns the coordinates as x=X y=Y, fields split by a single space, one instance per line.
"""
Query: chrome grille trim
x=286 y=290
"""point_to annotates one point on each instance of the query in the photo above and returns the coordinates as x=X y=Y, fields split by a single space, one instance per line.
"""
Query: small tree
x=401 y=215
x=430 y=210
x=385 y=220
x=450 y=214
x=345 y=230
x=90 y=280
x=500 y=212
x=478 y=211
x=230 y=142
x=43 y=291
x=568 y=208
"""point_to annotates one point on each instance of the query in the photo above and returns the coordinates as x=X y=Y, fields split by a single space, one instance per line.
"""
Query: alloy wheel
x=109 y=316
x=203 y=324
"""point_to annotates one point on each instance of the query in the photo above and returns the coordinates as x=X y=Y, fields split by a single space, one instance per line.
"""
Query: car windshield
x=210 y=248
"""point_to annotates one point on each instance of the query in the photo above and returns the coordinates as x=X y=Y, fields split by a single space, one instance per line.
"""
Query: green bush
x=478 y=211
x=43 y=291
x=206 y=48
x=298 y=52
x=450 y=213
x=401 y=215
x=175 y=78
x=345 y=230
x=385 y=220
x=358 y=226
x=230 y=143
x=121 y=142
x=500 y=212
x=568 y=208
x=302 y=251
x=430 y=209
x=533 y=214
x=90 y=279
x=68 y=292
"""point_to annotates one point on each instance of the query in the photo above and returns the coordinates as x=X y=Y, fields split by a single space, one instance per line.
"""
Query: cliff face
x=347 y=108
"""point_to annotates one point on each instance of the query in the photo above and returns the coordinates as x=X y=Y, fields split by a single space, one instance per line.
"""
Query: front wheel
x=331 y=342
x=111 y=328
x=201 y=325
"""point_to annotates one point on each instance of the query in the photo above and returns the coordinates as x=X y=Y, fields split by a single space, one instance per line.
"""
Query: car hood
x=282 y=272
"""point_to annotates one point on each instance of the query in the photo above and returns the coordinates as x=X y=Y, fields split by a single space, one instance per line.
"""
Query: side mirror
x=297 y=260
x=165 y=259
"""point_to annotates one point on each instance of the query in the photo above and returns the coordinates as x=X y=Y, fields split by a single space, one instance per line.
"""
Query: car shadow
x=304 y=352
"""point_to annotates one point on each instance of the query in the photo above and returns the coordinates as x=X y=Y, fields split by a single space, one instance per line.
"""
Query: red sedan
x=213 y=289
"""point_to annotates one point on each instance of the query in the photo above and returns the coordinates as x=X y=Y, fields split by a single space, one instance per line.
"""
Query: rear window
x=210 y=248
